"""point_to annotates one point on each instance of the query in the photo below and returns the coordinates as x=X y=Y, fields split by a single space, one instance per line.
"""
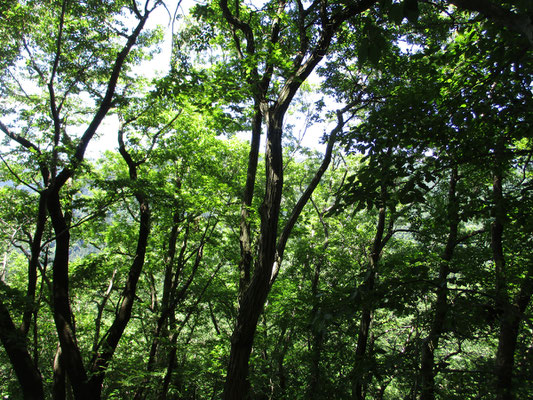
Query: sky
x=107 y=140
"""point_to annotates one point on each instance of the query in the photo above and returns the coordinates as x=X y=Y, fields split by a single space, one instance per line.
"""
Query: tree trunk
x=367 y=289
x=252 y=297
x=14 y=343
x=60 y=378
x=35 y=252
x=62 y=313
x=512 y=312
x=317 y=335
x=166 y=310
x=508 y=337
x=508 y=332
x=245 y=237
x=430 y=344
x=255 y=294
x=317 y=339
x=270 y=249
x=285 y=338
x=171 y=363
x=112 y=337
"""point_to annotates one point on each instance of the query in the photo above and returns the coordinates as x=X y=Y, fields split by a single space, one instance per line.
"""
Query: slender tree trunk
x=507 y=337
x=246 y=260
x=171 y=363
x=35 y=252
x=279 y=354
x=512 y=312
x=512 y=316
x=359 y=374
x=173 y=337
x=317 y=338
x=100 y=311
x=112 y=337
x=317 y=335
x=430 y=344
x=255 y=294
x=505 y=355
x=123 y=315
x=4 y=268
x=166 y=311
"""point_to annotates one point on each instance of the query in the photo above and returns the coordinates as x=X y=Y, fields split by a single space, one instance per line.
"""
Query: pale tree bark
x=59 y=384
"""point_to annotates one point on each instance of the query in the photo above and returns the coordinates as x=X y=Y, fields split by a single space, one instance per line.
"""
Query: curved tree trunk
x=59 y=384
x=61 y=300
x=14 y=343
x=112 y=337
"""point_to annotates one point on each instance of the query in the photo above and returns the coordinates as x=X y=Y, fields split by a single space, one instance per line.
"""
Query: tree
x=71 y=51
x=406 y=272
x=274 y=69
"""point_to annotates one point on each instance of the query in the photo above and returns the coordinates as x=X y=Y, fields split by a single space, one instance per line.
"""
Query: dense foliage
x=392 y=258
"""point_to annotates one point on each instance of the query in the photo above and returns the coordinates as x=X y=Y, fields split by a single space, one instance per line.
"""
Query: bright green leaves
x=12 y=15
x=58 y=73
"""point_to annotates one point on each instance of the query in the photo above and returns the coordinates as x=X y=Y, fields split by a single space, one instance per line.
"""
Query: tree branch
x=304 y=198
x=517 y=22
